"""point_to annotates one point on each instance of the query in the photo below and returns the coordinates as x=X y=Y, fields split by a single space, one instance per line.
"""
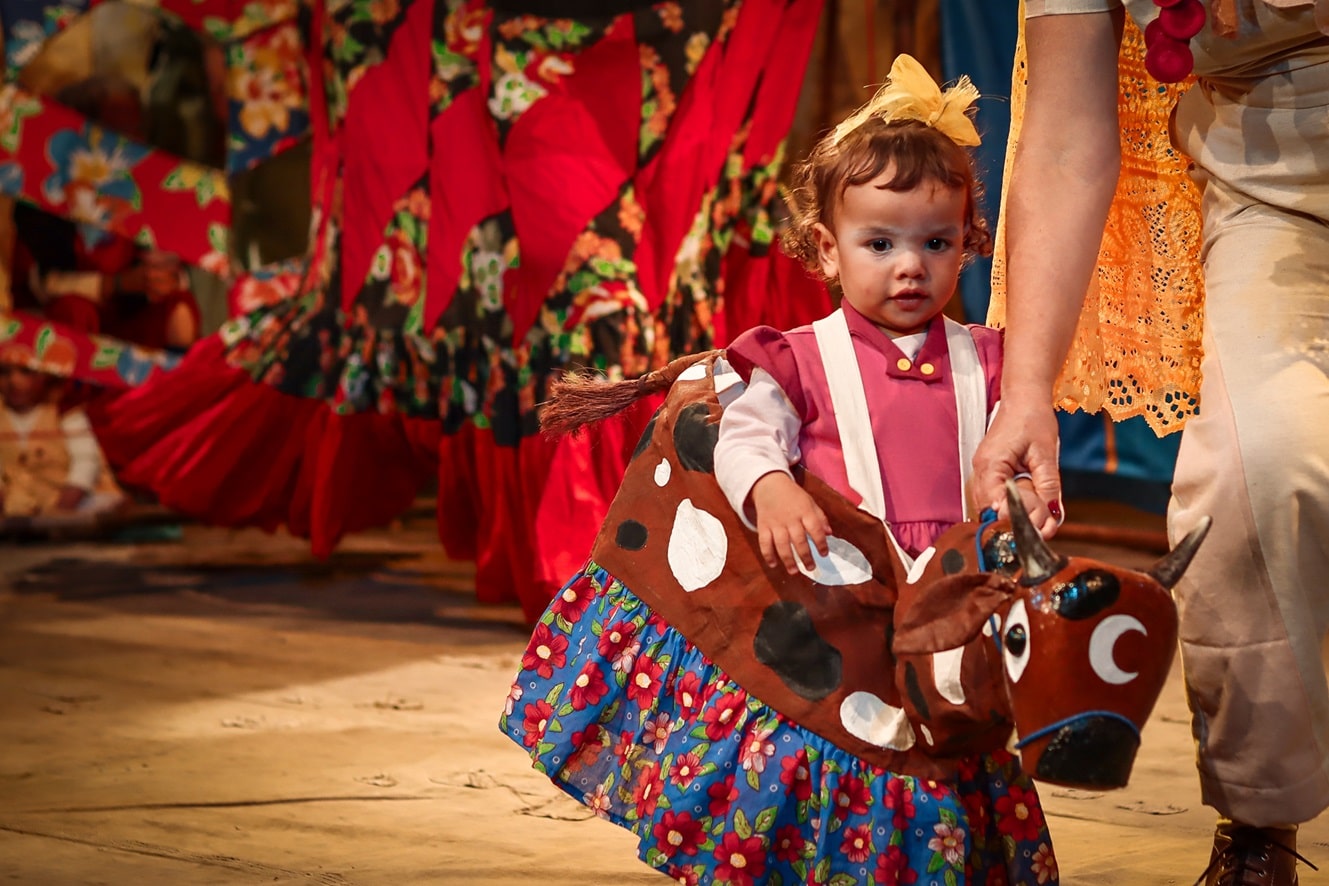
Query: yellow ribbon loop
x=910 y=93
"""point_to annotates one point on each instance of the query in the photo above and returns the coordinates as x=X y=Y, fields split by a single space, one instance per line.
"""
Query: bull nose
x=1093 y=751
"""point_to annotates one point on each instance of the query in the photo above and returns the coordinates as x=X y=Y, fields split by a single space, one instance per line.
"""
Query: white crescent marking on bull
x=946 y=674
x=867 y=717
x=662 y=472
x=697 y=546
x=1103 y=644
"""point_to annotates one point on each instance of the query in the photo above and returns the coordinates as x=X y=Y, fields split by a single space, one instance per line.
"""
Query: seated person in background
x=93 y=280
x=49 y=463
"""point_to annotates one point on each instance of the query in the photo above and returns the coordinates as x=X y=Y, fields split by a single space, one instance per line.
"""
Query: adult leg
x=1255 y=603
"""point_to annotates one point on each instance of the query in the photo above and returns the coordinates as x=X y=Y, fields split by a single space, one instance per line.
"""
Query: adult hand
x=786 y=517
x=1023 y=437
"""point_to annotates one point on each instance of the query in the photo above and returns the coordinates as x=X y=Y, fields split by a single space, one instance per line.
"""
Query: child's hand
x=786 y=516
x=1039 y=514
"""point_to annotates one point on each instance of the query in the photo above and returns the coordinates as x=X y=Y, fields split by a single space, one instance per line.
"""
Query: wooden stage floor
x=225 y=710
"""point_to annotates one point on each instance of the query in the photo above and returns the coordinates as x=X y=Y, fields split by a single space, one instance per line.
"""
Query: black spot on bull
x=631 y=535
x=1086 y=595
x=646 y=435
x=787 y=642
x=915 y=690
x=695 y=436
x=952 y=562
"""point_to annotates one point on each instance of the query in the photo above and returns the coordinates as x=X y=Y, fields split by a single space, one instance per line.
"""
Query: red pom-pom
x=1166 y=3
x=1182 y=21
x=1168 y=60
x=1152 y=32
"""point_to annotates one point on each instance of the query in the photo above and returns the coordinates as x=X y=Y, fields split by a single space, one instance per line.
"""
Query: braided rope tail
x=580 y=399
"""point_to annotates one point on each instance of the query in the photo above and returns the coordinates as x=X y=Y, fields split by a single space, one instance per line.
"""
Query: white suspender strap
x=971 y=401
x=850 y=402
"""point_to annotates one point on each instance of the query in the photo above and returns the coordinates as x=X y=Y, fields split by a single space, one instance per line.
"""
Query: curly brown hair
x=920 y=154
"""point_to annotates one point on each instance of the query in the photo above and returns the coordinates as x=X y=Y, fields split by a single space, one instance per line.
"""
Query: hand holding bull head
x=1073 y=651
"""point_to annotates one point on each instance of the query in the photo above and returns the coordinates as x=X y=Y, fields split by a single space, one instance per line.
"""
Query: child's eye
x=881 y=244
x=938 y=244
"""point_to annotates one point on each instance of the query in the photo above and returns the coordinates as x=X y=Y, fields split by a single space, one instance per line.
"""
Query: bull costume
x=623 y=703
x=847 y=722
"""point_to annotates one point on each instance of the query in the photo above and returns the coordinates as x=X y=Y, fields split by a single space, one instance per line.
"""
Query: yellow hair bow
x=910 y=93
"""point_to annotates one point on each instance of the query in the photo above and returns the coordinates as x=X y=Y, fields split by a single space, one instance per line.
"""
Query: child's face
x=22 y=389
x=896 y=254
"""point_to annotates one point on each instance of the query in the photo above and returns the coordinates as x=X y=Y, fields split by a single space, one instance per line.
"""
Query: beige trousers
x=1255 y=603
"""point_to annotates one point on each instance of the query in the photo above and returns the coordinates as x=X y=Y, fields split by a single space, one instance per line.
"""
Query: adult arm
x=1062 y=181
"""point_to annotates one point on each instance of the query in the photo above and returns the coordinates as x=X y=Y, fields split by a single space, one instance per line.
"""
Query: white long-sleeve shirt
x=759 y=434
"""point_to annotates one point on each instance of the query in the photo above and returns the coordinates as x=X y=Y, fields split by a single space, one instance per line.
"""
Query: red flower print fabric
x=721 y=789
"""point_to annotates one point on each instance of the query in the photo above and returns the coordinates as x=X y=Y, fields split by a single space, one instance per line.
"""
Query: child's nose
x=911 y=263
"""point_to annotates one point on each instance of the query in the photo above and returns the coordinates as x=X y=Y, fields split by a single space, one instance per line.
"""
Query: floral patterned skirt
x=624 y=714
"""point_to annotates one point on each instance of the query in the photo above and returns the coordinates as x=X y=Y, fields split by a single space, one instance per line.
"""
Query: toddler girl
x=883 y=401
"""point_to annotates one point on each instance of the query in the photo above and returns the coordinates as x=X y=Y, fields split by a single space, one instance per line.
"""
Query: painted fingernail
x=1054 y=508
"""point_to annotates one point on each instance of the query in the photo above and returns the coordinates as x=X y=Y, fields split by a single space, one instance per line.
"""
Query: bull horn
x=1169 y=570
x=1038 y=561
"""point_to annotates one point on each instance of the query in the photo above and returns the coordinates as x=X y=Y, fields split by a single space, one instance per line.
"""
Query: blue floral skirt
x=624 y=714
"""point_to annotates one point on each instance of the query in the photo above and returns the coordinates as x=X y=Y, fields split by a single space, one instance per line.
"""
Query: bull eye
x=1015 y=642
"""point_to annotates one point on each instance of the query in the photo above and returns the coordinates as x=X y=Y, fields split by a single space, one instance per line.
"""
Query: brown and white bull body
x=911 y=668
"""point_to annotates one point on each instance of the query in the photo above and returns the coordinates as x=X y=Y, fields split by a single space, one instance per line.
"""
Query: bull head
x=1079 y=652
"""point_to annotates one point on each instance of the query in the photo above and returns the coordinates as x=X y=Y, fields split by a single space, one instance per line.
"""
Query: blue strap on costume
x=1053 y=727
x=986 y=518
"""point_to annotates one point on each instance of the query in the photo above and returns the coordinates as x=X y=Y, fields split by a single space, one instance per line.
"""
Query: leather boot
x=1249 y=856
